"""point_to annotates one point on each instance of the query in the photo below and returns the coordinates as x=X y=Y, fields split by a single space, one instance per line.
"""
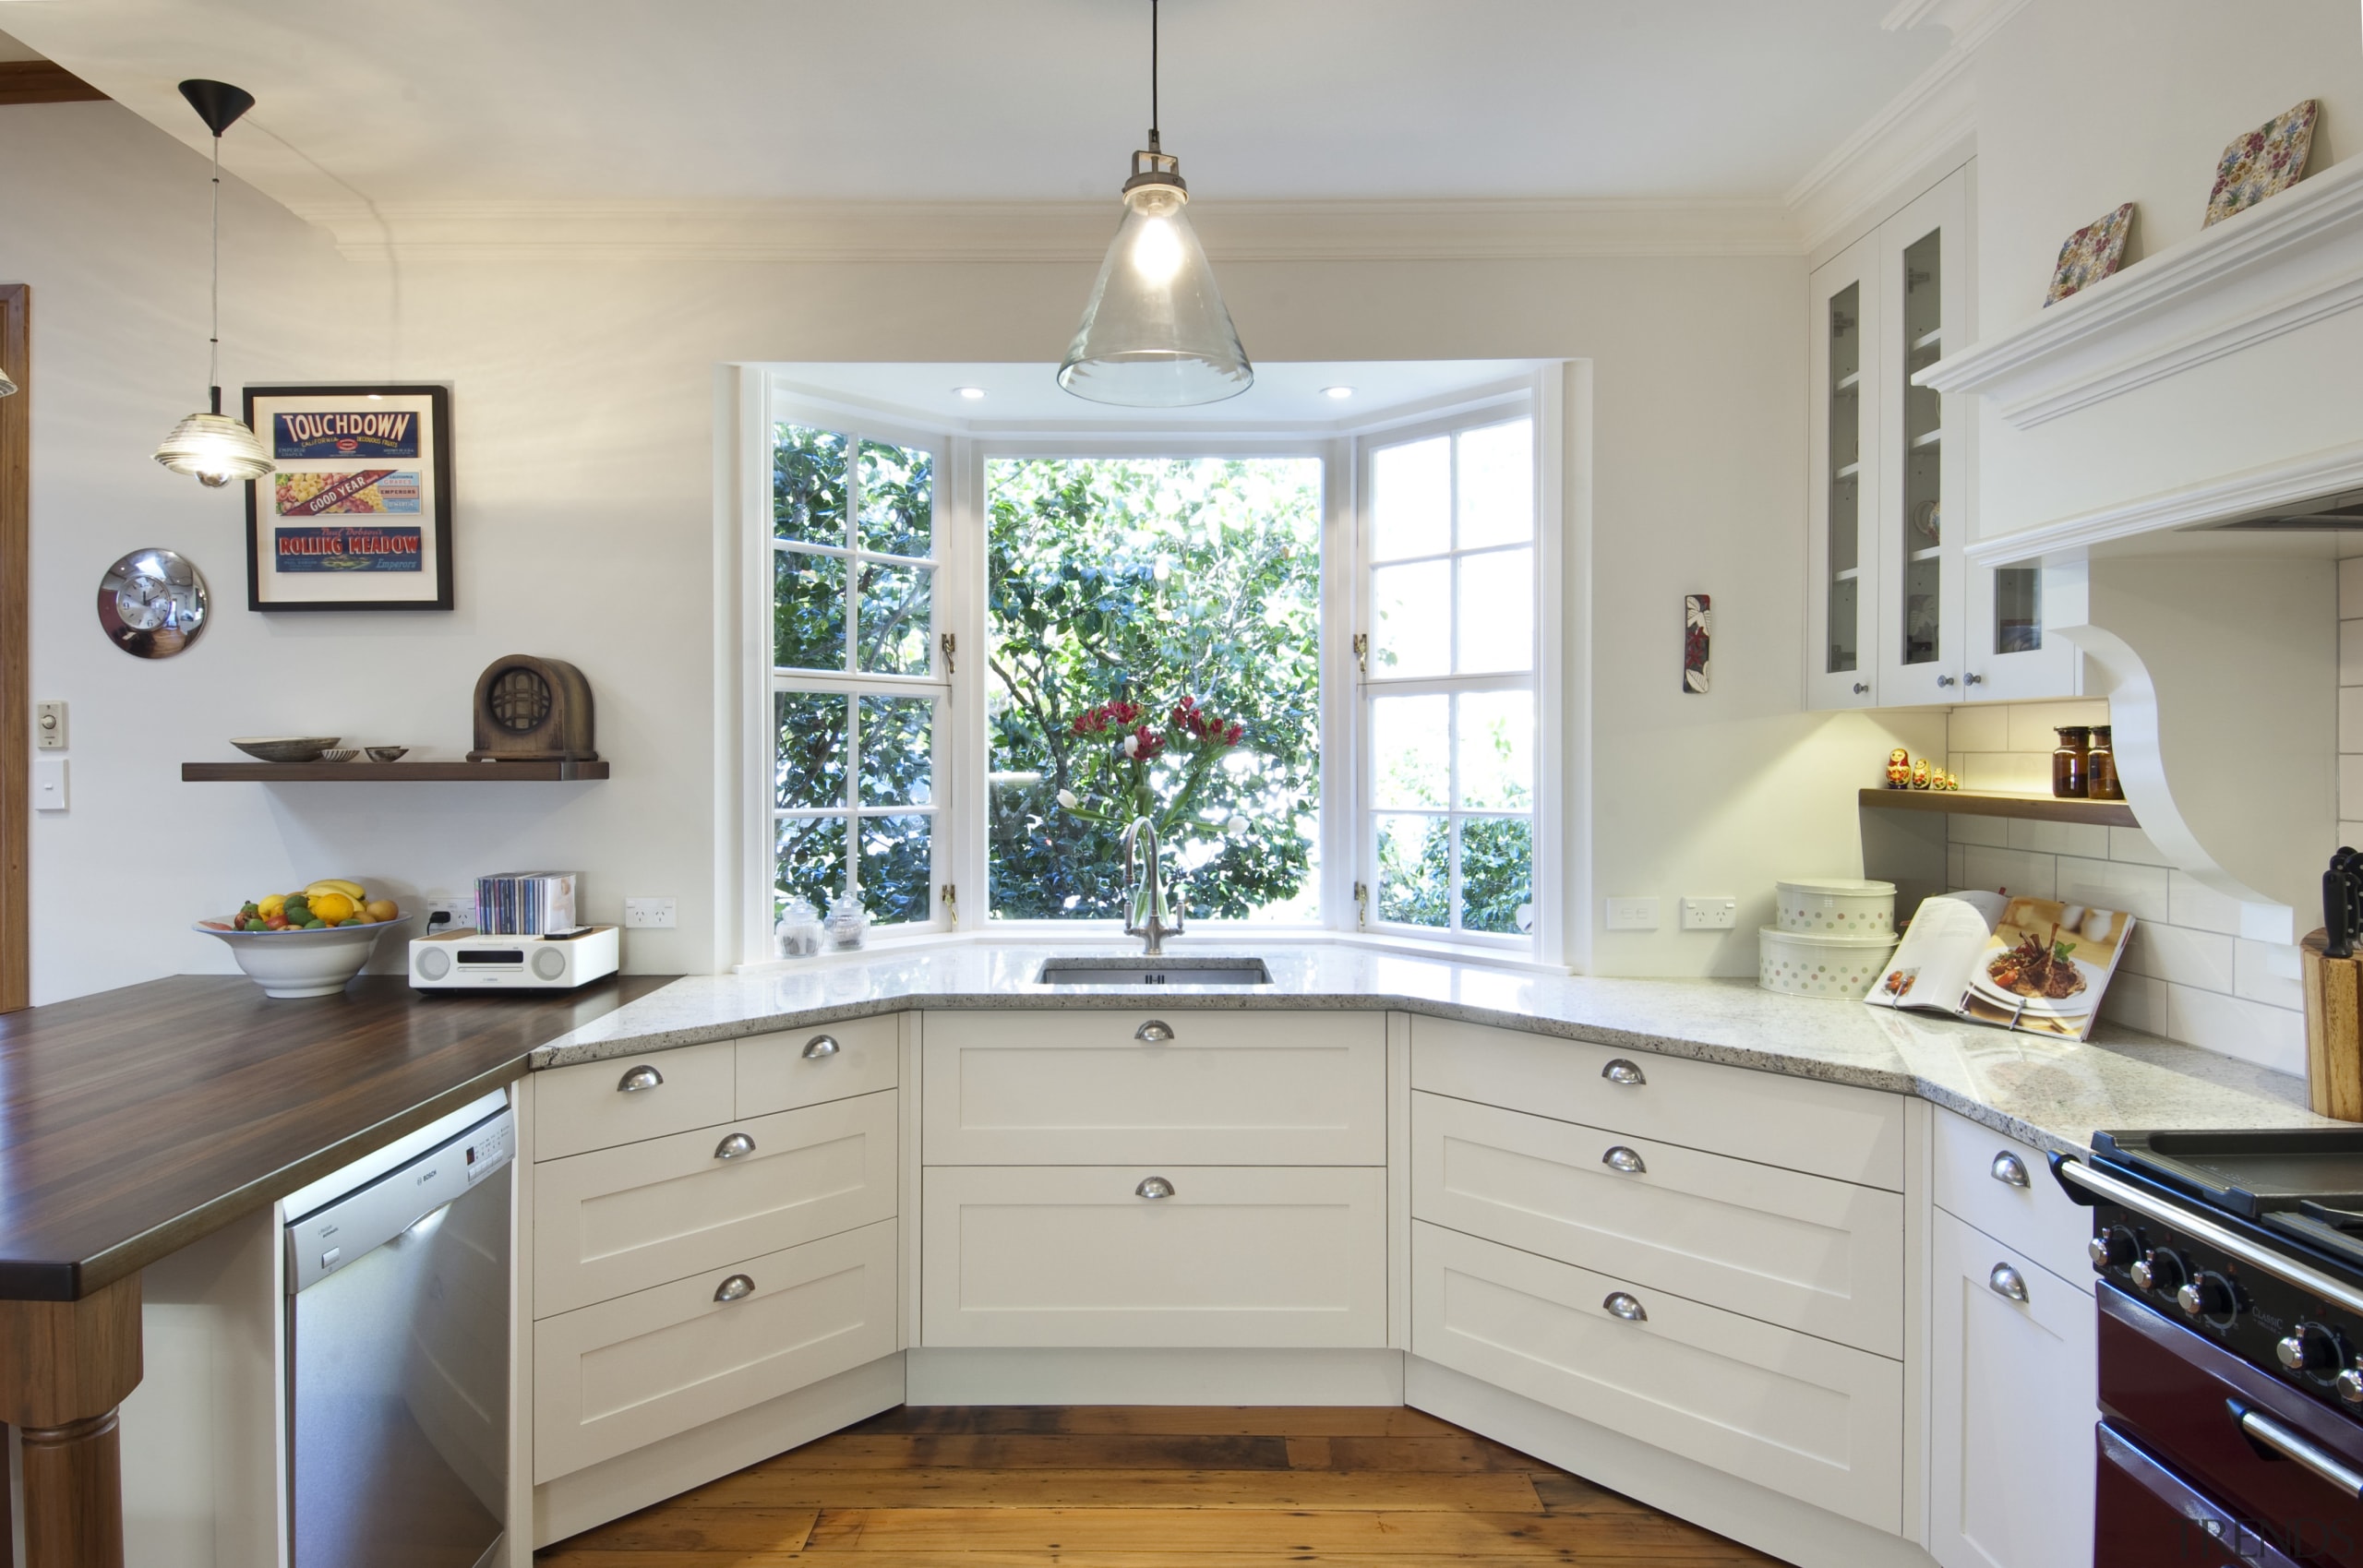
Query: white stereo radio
x=468 y=959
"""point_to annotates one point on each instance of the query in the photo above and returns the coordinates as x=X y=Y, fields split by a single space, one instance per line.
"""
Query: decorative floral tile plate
x=2265 y=162
x=2092 y=253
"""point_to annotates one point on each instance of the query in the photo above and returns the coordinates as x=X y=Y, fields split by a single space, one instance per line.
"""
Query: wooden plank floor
x=1144 y=1486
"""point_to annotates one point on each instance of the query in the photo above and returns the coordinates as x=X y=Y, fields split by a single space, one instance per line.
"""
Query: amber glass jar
x=2100 y=767
x=2069 y=777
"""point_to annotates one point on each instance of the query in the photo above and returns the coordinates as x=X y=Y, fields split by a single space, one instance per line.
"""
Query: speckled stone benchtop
x=2052 y=1093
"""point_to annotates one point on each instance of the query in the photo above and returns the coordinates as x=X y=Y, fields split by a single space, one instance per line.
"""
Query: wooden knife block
x=2333 y=1030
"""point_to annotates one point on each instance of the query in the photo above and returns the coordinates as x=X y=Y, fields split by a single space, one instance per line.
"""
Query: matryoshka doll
x=1899 y=769
x=1920 y=773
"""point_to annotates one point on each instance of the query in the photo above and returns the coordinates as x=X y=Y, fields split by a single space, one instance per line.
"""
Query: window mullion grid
x=1452 y=710
x=853 y=790
x=853 y=552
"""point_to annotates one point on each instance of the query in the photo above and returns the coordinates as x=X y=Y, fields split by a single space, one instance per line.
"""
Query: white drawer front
x=1975 y=1182
x=806 y=1067
x=1086 y=1088
x=1827 y=1129
x=622 y=1374
x=617 y=1220
x=587 y=1108
x=1069 y=1255
x=1818 y=1421
x=1803 y=1252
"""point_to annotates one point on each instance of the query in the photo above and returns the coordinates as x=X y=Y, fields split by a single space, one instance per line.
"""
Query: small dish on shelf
x=386 y=753
x=338 y=754
x=284 y=747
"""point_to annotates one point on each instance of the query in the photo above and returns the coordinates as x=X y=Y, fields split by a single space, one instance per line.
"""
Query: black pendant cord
x=1153 y=145
x=214 y=357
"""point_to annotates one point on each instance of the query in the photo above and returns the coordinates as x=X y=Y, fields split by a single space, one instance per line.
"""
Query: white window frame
x=960 y=846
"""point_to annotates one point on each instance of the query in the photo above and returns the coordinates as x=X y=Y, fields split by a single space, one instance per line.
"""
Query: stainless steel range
x=2231 y=1346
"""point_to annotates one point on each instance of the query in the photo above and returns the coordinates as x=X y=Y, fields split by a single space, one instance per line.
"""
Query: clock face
x=153 y=603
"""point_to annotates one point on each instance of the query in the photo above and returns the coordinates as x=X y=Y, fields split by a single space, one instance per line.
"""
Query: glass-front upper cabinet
x=1842 y=654
x=1924 y=490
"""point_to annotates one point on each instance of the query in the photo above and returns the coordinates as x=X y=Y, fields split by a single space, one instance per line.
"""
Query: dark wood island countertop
x=134 y=1122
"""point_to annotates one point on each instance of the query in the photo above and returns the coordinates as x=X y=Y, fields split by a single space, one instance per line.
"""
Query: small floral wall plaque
x=1698 y=624
x=2265 y=162
x=2092 y=253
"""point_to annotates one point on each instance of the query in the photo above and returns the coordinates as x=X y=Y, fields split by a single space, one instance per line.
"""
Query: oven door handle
x=2267 y=1432
x=2198 y=1228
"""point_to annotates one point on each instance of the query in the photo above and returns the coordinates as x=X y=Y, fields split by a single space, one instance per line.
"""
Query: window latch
x=1362 y=652
x=951 y=646
x=952 y=904
x=1362 y=897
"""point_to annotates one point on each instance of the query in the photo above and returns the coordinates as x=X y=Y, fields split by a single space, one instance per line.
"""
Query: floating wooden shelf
x=2033 y=808
x=389 y=772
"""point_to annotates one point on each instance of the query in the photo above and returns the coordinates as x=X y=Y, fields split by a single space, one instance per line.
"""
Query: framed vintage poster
x=356 y=512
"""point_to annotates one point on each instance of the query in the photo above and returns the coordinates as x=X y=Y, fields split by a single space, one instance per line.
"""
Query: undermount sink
x=1196 y=970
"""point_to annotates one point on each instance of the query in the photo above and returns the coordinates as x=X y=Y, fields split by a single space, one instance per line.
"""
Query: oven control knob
x=2206 y=1295
x=2158 y=1270
x=2310 y=1348
x=2350 y=1385
x=2113 y=1248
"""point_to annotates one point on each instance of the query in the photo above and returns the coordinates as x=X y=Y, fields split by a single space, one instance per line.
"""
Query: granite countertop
x=2054 y=1094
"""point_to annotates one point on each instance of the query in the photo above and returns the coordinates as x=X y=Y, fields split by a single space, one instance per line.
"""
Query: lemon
x=332 y=906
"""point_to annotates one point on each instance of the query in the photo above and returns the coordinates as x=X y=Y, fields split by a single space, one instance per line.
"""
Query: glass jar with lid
x=2071 y=763
x=848 y=921
x=798 y=934
x=2100 y=766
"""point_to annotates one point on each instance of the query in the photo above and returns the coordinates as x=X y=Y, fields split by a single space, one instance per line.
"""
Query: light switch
x=1632 y=914
x=49 y=783
x=49 y=726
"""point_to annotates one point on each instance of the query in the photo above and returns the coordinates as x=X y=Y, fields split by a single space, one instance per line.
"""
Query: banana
x=336 y=885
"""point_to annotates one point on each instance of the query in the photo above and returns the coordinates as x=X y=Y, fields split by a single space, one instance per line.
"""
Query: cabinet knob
x=1973 y=679
x=1622 y=1305
x=2009 y=1170
x=734 y=1147
x=1945 y=680
x=1860 y=686
x=1154 y=1186
x=638 y=1078
x=2006 y=1281
x=1623 y=1159
x=1625 y=1073
x=737 y=1287
x=1155 y=1032
x=820 y=1045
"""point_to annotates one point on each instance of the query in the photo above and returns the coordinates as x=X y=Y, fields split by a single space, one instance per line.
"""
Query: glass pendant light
x=213 y=446
x=1156 y=334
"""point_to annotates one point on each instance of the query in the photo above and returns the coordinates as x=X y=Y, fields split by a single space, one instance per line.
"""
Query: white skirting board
x=573 y=1503
x=1792 y=1531
x=996 y=1376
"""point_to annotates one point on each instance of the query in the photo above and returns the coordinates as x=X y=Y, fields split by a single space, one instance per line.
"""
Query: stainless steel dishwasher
x=398 y=1352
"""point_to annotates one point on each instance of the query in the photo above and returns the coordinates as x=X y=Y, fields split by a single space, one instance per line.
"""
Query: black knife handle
x=2338 y=914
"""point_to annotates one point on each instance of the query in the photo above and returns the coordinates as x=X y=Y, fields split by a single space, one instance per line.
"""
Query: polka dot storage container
x=1836 y=907
x=1797 y=964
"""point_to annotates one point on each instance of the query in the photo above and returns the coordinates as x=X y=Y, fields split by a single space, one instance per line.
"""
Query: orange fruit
x=332 y=907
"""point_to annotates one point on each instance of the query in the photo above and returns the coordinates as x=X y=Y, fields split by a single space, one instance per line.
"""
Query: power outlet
x=448 y=914
x=645 y=911
x=1632 y=914
x=1710 y=914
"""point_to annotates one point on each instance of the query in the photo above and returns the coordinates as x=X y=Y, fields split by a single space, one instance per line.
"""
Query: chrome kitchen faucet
x=1151 y=918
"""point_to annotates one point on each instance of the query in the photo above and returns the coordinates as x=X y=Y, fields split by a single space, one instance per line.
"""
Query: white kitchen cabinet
x=1898 y=617
x=2006 y=1189
x=805 y=1067
x=2013 y=1368
x=597 y=1105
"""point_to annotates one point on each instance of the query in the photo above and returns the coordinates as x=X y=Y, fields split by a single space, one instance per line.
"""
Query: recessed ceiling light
x=971 y=393
x=1340 y=393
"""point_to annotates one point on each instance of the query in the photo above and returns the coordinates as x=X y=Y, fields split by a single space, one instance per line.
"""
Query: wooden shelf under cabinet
x=2032 y=807
x=358 y=772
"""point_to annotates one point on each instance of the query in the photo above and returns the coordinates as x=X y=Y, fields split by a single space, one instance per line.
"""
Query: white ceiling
x=426 y=100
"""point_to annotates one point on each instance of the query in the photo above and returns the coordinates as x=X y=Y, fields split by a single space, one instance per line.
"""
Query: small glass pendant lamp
x=1156 y=334
x=213 y=446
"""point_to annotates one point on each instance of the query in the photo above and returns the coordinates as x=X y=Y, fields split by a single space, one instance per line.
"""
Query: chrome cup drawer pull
x=737 y=1287
x=1154 y=1186
x=734 y=1147
x=1623 y=1159
x=2007 y=1282
x=1155 y=1032
x=820 y=1045
x=1622 y=1305
x=638 y=1078
x=2009 y=1170
x=1625 y=1073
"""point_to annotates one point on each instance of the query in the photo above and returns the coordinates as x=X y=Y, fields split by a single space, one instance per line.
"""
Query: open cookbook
x=2031 y=964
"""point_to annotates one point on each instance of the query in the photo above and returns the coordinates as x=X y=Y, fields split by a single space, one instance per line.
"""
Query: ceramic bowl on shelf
x=303 y=963
x=284 y=747
x=386 y=753
x=338 y=754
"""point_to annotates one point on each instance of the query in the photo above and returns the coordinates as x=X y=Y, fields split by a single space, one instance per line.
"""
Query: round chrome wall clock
x=153 y=603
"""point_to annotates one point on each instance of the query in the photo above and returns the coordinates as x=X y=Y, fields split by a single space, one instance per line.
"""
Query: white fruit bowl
x=305 y=963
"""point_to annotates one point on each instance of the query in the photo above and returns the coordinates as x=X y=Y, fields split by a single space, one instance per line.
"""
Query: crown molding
x=1482 y=230
x=1971 y=22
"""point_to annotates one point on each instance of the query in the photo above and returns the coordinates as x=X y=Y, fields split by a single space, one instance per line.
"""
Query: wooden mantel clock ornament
x=532 y=710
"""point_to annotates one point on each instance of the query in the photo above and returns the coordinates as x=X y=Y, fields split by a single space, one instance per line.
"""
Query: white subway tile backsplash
x=2350 y=788
x=2270 y=1037
x=1988 y=727
x=2350 y=717
x=2191 y=903
x=2004 y=773
x=2133 y=844
x=2034 y=726
x=2007 y=870
x=2137 y=1002
x=1953 y=868
x=2350 y=653
x=2267 y=971
x=2203 y=959
x=1993 y=832
x=2088 y=839
x=2350 y=586
x=2349 y=835
x=2139 y=890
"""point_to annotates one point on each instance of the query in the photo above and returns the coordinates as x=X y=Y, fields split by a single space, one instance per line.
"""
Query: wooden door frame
x=16 y=648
